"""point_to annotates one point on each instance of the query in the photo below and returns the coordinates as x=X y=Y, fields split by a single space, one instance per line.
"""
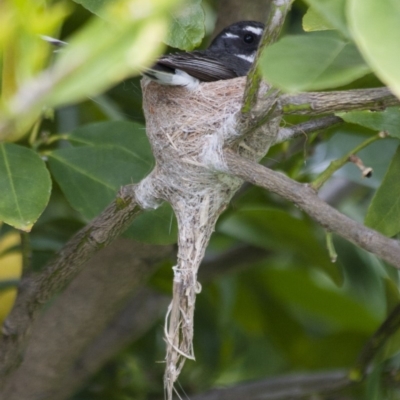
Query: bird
x=230 y=55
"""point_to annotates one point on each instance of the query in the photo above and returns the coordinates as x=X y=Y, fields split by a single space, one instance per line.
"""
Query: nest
x=188 y=129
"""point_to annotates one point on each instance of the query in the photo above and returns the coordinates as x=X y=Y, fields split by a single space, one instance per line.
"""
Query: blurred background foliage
x=72 y=133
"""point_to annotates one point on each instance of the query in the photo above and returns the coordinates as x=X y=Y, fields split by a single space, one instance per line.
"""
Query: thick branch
x=78 y=316
x=316 y=103
x=139 y=314
x=307 y=199
x=36 y=290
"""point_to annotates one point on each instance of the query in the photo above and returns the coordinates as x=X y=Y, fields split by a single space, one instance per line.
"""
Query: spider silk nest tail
x=188 y=130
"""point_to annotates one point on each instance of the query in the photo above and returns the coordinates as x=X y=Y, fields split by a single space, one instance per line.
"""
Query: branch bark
x=303 y=128
x=303 y=196
x=316 y=103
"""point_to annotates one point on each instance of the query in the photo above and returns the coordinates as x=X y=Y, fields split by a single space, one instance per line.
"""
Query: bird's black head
x=240 y=39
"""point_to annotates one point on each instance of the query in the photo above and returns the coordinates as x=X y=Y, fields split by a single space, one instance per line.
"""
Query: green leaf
x=187 y=29
x=331 y=15
x=276 y=229
x=377 y=155
x=375 y=28
x=104 y=52
x=299 y=290
x=124 y=135
x=155 y=226
x=388 y=120
x=25 y=186
x=94 y=6
x=384 y=211
x=317 y=60
x=313 y=21
x=109 y=49
x=106 y=156
x=91 y=176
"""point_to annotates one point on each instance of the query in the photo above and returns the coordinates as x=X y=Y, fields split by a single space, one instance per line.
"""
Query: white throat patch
x=249 y=58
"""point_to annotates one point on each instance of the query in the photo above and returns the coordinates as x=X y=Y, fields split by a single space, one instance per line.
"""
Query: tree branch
x=79 y=315
x=316 y=103
x=285 y=387
x=340 y=162
x=307 y=200
x=142 y=310
x=303 y=128
x=36 y=290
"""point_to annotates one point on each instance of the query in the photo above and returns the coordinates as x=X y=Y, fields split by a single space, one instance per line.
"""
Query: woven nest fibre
x=188 y=129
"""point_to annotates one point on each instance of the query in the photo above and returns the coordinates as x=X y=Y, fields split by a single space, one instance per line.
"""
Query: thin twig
x=390 y=326
x=303 y=128
x=340 y=162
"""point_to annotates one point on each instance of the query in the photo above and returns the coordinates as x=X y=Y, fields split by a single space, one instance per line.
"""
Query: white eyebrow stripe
x=230 y=35
x=257 y=31
x=247 y=58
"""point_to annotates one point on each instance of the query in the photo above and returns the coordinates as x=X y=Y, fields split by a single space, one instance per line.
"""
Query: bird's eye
x=248 y=38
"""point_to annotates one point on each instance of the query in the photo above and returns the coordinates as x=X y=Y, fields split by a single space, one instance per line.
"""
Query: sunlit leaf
x=312 y=21
x=24 y=186
x=384 y=211
x=101 y=54
x=10 y=272
x=317 y=60
x=187 y=27
x=94 y=6
x=375 y=28
x=331 y=15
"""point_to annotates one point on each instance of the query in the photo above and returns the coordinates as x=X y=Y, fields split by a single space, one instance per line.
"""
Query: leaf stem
x=340 y=162
x=331 y=247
